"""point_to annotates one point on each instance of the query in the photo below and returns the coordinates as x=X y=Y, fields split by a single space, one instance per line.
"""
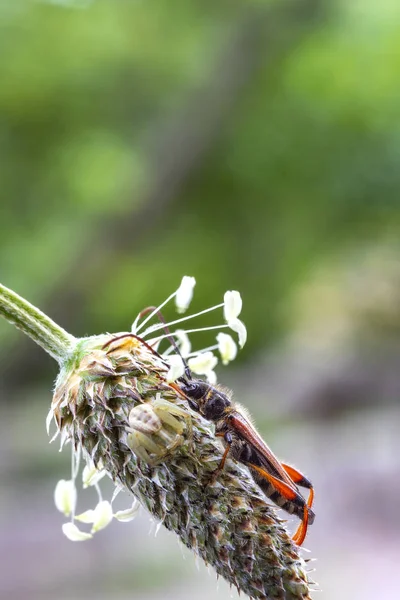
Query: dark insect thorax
x=207 y=399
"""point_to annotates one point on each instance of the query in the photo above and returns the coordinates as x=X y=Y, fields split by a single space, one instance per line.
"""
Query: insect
x=242 y=441
x=280 y=482
x=153 y=430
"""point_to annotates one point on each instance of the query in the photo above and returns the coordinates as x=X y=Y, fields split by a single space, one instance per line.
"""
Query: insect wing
x=248 y=433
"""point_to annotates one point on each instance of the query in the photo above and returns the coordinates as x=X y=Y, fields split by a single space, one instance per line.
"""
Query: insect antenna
x=169 y=335
x=131 y=335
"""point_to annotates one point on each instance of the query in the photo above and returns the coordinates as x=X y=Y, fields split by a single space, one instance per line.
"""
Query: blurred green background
x=254 y=144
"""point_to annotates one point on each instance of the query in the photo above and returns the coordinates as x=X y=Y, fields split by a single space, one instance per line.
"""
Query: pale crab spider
x=153 y=431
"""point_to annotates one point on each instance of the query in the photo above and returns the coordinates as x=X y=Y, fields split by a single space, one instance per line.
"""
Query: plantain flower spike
x=116 y=409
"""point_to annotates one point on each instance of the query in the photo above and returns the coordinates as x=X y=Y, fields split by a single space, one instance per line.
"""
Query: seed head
x=114 y=404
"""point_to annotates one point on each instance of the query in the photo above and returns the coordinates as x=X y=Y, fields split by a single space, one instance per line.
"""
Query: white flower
x=232 y=309
x=184 y=294
x=130 y=513
x=203 y=363
x=102 y=516
x=91 y=475
x=232 y=305
x=65 y=496
x=176 y=367
x=74 y=534
x=239 y=327
x=86 y=517
x=227 y=347
x=183 y=341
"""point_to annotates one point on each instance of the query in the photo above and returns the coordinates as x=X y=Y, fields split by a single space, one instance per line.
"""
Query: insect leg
x=297 y=477
x=302 y=481
x=283 y=488
x=166 y=409
x=290 y=494
x=228 y=439
x=301 y=531
x=142 y=445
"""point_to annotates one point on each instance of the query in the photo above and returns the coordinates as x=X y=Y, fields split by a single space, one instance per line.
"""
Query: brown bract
x=227 y=522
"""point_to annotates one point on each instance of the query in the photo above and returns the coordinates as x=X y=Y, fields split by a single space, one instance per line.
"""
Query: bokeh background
x=254 y=144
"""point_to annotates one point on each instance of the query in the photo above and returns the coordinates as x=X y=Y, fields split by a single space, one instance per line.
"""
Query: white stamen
x=227 y=347
x=74 y=534
x=207 y=349
x=176 y=369
x=161 y=337
x=75 y=461
x=102 y=516
x=86 y=517
x=91 y=475
x=117 y=491
x=151 y=315
x=203 y=363
x=184 y=294
x=238 y=327
x=181 y=320
x=130 y=513
x=98 y=490
x=232 y=305
x=184 y=343
x=168 y=351
x=65 y=496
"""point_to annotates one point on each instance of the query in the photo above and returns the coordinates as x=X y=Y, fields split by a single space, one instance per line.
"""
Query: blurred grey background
x=253 y=144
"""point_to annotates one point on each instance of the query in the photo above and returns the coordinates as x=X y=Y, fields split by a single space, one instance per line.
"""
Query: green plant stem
x=52 y=338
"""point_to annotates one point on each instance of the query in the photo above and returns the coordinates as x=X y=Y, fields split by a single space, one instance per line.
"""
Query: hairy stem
x=52 y=338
